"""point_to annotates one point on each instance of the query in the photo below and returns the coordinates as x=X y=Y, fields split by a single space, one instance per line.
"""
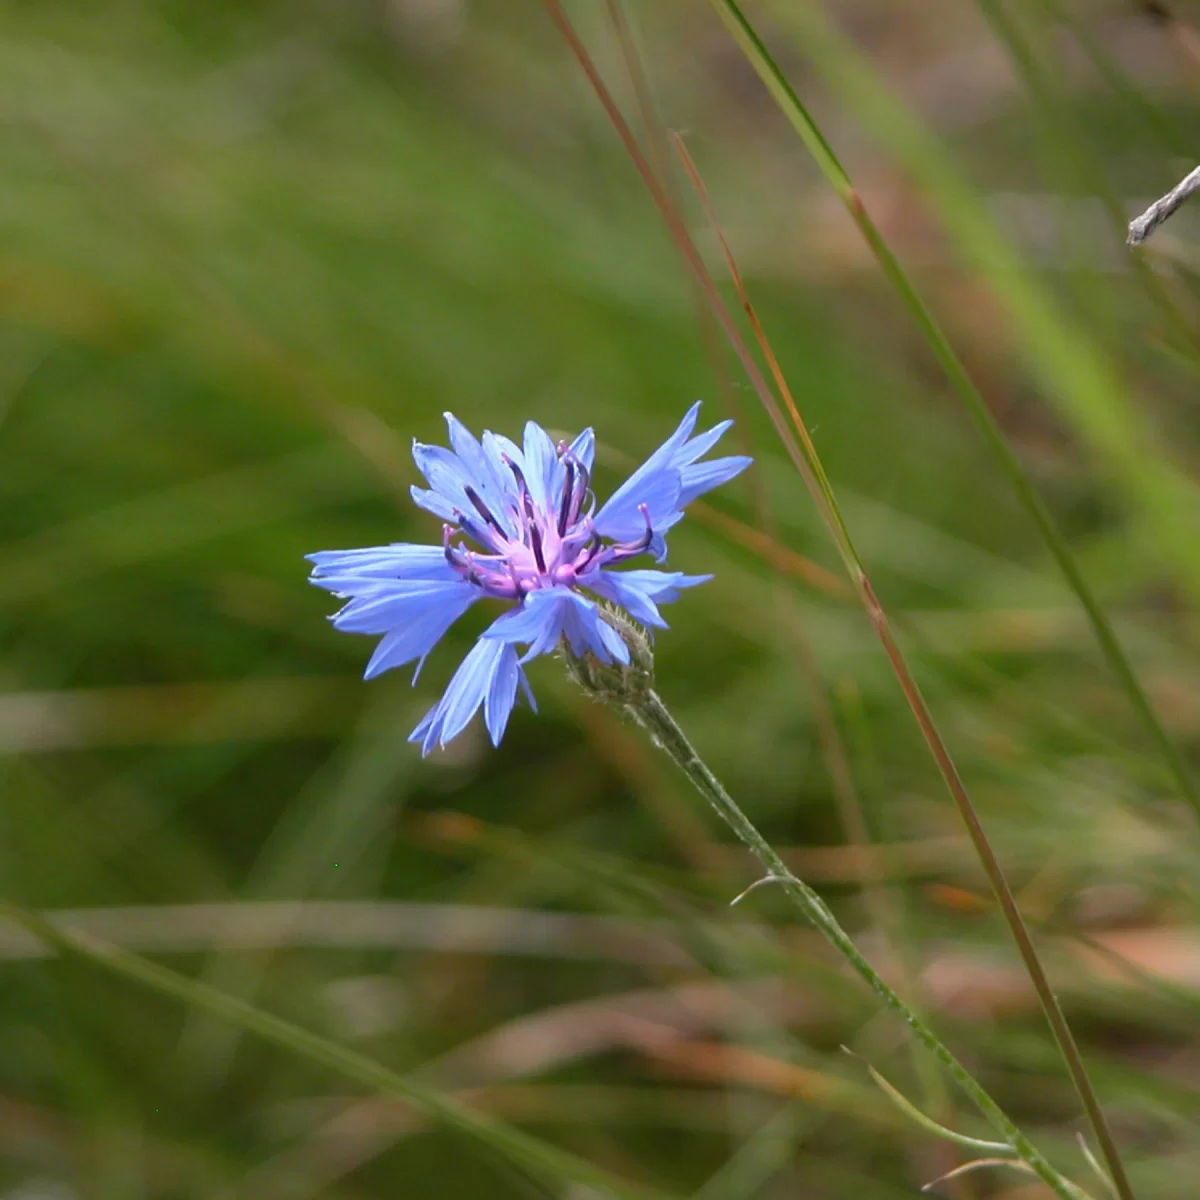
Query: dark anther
x=470 y=528
x=527 y=501
x=648 y=536
x=512 y=466
x=535 y=540
x=593 y=550
x=483 y=510
x=471 y=569
x=568 y=500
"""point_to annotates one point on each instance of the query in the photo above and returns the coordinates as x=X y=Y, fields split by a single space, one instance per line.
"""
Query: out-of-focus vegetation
x=248 y=252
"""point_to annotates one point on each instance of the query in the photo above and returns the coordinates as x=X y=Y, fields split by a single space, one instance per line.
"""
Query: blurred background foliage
x=247 y=252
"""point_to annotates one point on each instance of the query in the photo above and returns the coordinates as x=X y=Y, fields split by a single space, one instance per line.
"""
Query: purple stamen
x=576 y=487
x=593 y=550
x=620 y=552
x=566 y=508
x=649 y=534
x=530 y=512
x=585 y=479
x=521 y=484
x=471 y=529
x=535 y=539
x=483 y=510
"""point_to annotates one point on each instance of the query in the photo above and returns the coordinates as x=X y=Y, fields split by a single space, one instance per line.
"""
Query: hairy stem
x=798 y=442
x=648 y=709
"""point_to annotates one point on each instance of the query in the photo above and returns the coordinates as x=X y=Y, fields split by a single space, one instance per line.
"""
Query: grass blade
x=537 y=1157
x=969 y=395
x=798 y=442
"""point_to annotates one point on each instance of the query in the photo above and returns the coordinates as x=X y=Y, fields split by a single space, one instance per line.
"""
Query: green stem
x=800 y=447
x=648 y=709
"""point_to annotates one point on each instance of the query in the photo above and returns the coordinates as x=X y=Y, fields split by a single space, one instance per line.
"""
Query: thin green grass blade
x=1076 y=374
x=531 y=1154
x=964 y=387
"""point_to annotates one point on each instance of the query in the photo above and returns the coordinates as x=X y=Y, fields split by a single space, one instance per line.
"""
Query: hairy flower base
x=618 y=683
x=521 y=526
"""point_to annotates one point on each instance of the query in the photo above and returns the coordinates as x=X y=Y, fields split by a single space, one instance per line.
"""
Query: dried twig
x=1142 y=227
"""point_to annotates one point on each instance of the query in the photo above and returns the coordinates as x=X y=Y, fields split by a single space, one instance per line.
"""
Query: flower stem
x=648 y=709
x=799 y=445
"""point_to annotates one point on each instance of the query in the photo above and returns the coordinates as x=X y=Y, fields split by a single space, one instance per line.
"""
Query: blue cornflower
x=522 y=527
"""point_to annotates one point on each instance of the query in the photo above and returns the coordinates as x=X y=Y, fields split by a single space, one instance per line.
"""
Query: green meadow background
x=248 y=251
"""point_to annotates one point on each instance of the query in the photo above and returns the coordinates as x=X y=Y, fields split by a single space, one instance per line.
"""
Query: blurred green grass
x=248 y=252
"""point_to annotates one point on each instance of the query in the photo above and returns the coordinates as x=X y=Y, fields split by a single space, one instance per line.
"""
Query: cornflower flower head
x=521 y=527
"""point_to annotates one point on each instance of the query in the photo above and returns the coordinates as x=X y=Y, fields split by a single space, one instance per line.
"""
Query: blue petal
x=668 y=589
x=402 y=560
x=468 y=689
x=501 y=448
x=703 y=477
x=660 y=461
x=636 y=603
x=495 y=449
x=614 y=643
x=588 y=632
x=621 y=517
x=538 y=622
x=466 y=445
x=382 y=609
x=543 y=472
x=641 y=592
x=418 y=636
x=650 y=485
x=491 y=480
x=434 y=502
x=584 y=449
x=683 y=431
x=446 y=473
x=700 y=445
x=374 y=586
x=423 y=727
x=647 y=485
x=502 y=694
x=577 y=629
x=550 y=614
